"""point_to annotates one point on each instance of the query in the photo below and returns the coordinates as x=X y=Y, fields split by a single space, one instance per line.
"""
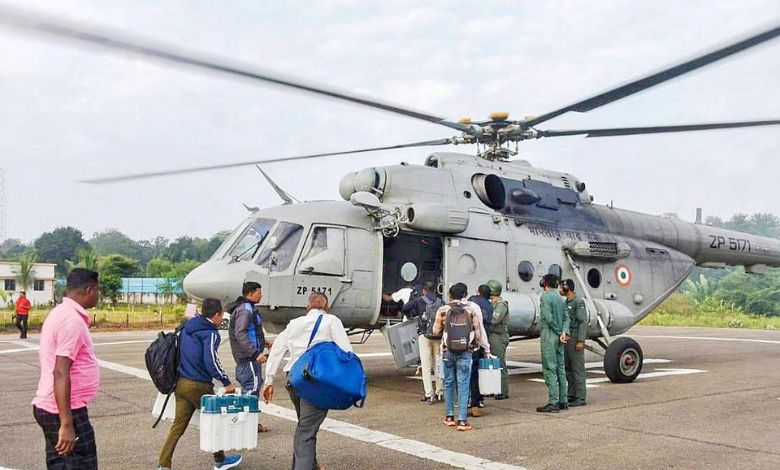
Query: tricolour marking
x=359 y=433
x=623 y=275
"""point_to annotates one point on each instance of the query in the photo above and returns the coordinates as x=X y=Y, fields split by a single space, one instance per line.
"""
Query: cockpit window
x=253 y=237
x=280 y=248
x=323 y=252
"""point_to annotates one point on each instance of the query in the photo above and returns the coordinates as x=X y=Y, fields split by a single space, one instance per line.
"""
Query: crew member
x=574 y=352
x=499 y=333
x=554 y=334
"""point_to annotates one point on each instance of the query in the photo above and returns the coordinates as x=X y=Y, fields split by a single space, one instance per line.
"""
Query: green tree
x=112 y=241
x=63 y=243
x=25 y=273
x=752 y=293
x=159 y=267
x=214 y=242
x=118 y=265
x=110 y=285
x=11 y=249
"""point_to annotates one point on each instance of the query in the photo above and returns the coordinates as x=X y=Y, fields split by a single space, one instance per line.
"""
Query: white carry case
x=490 y=376
x=228 y=422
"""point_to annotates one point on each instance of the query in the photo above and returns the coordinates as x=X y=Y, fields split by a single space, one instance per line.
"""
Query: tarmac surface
x=707 y=398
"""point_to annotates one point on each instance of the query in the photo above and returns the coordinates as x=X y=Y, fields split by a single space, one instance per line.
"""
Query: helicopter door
x=473 y=262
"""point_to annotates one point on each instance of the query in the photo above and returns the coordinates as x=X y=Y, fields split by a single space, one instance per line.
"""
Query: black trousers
x=84 y=455
x=475 y=396
x=21 y=324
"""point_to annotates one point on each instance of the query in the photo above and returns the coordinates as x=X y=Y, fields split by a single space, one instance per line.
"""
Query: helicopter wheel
x=623 y=360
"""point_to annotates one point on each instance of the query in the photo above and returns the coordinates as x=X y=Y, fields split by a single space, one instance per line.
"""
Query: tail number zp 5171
x=733 y=244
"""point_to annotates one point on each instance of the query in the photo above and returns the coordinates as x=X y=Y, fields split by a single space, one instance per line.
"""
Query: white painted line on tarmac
x=35 y=347
x=649 y=375
x=9 y=351
x=709 y=338
x=359 y=433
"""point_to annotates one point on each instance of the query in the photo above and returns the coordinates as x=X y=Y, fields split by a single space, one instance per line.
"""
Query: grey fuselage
x=479 y=220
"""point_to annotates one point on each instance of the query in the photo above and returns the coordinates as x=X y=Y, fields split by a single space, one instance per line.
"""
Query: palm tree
x=25 y=275
x=88 y=258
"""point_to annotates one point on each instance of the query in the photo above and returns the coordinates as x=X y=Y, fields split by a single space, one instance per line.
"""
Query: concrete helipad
x=708 y=398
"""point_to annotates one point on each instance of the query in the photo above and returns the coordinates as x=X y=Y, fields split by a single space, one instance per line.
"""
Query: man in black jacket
x=247 y=340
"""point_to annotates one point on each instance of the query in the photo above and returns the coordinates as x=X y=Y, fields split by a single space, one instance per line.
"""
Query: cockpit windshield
x=249 y=243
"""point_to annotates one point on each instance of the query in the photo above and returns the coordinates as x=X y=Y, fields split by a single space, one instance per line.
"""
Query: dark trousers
x=84 y=455
x=310 y=419
x=21 y=324
x=188 y=393
x=476 y=397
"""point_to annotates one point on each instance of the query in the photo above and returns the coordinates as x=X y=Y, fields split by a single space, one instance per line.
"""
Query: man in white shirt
x=295 y=340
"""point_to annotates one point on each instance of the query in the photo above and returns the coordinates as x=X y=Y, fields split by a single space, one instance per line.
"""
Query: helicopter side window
x=252 y=238
x=323 y=252
x=278 y=252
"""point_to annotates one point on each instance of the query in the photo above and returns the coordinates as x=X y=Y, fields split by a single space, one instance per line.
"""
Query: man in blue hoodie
x=247 y=340
x=198 y=366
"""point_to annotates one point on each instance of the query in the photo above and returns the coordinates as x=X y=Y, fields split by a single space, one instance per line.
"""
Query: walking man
x=198 y=367
x=425 y=307
x=554 y=334
x=574 y=352
x=22 y=314
x=295 y=340
x=70 y=377
x=499 y=333
x=459 y=323
x=247 y=341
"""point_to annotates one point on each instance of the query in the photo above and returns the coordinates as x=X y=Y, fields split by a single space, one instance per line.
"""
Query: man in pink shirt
x=70 y=377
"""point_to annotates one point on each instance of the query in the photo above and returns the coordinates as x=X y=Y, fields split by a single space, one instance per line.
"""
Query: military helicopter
x=457 y=218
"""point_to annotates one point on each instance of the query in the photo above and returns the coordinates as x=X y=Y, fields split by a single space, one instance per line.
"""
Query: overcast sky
x=70 y=113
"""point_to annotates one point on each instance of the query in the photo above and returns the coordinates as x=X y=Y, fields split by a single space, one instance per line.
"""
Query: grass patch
x=118 y=317
x=683 y=310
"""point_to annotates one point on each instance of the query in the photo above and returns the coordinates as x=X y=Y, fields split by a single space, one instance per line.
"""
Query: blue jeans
x=457 y=368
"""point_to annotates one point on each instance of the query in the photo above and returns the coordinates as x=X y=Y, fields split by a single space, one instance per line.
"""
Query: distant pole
x=2 y=205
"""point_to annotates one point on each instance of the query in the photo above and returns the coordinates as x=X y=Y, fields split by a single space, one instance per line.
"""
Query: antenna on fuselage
x=286 y=197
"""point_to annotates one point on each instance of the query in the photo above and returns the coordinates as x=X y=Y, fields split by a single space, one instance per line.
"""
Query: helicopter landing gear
x=623 y=360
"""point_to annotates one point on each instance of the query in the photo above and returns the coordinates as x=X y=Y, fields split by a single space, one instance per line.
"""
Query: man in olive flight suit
x=574 y=351
x=498 y=336
x=554 y=334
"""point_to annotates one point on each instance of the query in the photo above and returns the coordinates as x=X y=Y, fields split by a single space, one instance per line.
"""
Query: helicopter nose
x=215 y=280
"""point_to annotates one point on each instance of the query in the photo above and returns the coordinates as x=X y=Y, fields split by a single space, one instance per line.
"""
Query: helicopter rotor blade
x=618 y=131
x=116 y=179
x=656 y=78
x=105 y=38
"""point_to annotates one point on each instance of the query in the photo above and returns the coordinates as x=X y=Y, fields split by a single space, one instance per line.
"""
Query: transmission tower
x=2 y=205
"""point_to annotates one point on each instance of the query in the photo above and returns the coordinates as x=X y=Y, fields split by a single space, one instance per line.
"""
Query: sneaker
x=440 y=397
x=548 y=408
x=449 y=421
x=578 y=402
x=481 y=404
x=475 y=411
x=464 y=426
x=563 y=406
x=501 y=396
x=229 y=462
x=428 y=400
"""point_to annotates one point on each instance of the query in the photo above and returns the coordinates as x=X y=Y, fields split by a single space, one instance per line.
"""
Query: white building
x=42 y=290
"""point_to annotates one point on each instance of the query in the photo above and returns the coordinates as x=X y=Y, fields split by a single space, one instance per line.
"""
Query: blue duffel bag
x=328 y=376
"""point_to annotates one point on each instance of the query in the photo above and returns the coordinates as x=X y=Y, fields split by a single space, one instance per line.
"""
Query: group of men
x=70 y=374
x=564 y=323
x=459 y=333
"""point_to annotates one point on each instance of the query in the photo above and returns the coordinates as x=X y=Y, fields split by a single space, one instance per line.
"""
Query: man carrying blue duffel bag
x=323 y=373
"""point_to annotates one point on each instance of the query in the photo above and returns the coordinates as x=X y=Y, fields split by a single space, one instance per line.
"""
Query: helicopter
x=457 y=218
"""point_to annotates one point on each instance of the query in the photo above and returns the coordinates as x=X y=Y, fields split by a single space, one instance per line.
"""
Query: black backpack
x=428 y=318
x=457 y=324
x=162 y=363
